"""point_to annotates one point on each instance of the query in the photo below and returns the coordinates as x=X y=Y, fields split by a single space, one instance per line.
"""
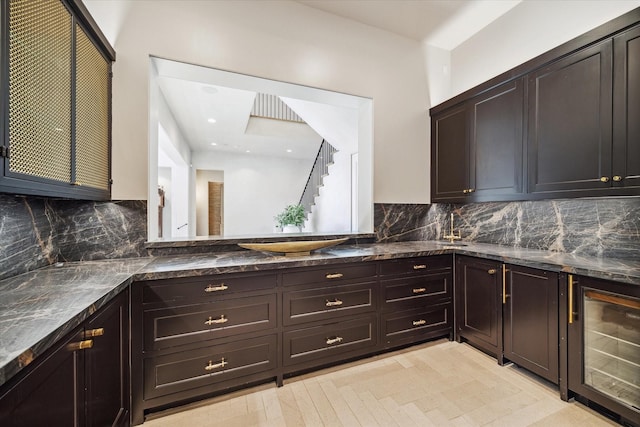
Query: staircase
x=320 y=169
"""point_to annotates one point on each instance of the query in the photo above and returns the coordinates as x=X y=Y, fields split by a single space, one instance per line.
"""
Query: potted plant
x=291 y=219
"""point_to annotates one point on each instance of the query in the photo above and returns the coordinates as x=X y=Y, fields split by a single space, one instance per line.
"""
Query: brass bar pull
x=94 y=333
x=212 y=288
x=492 y=271
x=334 y=276
x=419 y=290
x=604 y=179
x=570 y=298
x=211 y=366
x=617 y=178
x=504 y=283
x=335 y=340
x=419 y=322
x=420 y=267
x=333 y=303
x=80 y=345
x=212 y=321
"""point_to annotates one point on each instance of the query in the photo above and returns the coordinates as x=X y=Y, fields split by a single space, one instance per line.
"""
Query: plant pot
x=291 y=229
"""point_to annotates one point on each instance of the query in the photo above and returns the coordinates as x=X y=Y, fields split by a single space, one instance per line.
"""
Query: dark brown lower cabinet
x=479 y=304
x=531 y=320
x=74 y=386
x=604 y=346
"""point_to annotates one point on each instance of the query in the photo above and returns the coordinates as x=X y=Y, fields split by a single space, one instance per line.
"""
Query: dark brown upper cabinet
x=449 y=153
x=563 y=124
x=626 y=110
x=569 y=140
x=55 y=73
x=477 y=147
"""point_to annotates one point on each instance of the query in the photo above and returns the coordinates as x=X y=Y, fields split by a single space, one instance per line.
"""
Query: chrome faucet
x=452 y=237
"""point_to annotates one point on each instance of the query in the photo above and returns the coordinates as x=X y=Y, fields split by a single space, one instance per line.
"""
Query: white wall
x=335 y=197
x=526 y=31
x=246 y=179
x=280 y=40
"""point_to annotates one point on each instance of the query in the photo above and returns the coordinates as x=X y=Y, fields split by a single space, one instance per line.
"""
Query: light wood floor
x=435 y=384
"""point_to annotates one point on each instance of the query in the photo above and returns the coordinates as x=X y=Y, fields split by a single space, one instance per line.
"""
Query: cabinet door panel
x=210 y=366
x=173 y=326
x=478 y=306
x=400 y=327
x=626 y=113
x=328 y=303
x=107 y=365
x=570 y=122
x=531 y=321
x=415 y=291
x=50 y=394
x=449 y=154
x=496 y=142
x=330 y=342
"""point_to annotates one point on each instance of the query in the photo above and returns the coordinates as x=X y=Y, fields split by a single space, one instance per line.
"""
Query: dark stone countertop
x=40 y=307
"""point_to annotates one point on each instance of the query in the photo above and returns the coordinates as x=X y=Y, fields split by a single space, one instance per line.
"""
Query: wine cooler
x=604 y=346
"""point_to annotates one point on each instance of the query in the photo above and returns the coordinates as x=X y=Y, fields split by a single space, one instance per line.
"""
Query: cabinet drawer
x=329 y=302
x=329 y=274
x=330 y=342
x=415 y=265
x=413 y=291
x=413 y=325
x=204 y=288
x=168 y=327
x=209 y=366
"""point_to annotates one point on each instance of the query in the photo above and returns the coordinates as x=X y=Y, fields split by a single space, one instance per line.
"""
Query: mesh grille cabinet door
x=92 y=114
x=40 y=89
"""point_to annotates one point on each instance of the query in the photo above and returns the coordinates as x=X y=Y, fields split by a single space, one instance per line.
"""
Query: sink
x=295 y=248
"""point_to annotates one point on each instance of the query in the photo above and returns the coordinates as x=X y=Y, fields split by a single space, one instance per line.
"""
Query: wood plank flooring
x=440 y=383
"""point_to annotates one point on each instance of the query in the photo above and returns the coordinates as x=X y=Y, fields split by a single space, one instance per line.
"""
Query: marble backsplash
x=602 y=227
x=36 y=232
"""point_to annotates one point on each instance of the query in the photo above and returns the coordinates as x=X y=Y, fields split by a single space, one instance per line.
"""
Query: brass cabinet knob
x=471 y=190
x=465 y=191
x=492 y=271
x=604 y=179
x=617 y=178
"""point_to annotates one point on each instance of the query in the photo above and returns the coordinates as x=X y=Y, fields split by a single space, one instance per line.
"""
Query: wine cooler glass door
x=612 y=346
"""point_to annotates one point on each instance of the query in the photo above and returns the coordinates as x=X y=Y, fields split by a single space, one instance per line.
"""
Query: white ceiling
x=441 y=23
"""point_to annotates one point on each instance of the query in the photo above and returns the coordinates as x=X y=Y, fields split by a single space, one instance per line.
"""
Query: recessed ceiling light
x=248 y=151
x=289 y=150
x=213 y=143
x=212 y=120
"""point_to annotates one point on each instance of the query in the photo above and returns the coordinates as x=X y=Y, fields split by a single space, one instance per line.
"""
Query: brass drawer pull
x=419 y=290
x=420 y=267
x=604 y=179
x=212 y=321
x=492 y=271
x=212 y=288
x=335 y=340
x=211 y=366
x=94 y=333
x=335 y=302
x=80 y=345
x=617 y=178
x=419 y=322
x=334 y=276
